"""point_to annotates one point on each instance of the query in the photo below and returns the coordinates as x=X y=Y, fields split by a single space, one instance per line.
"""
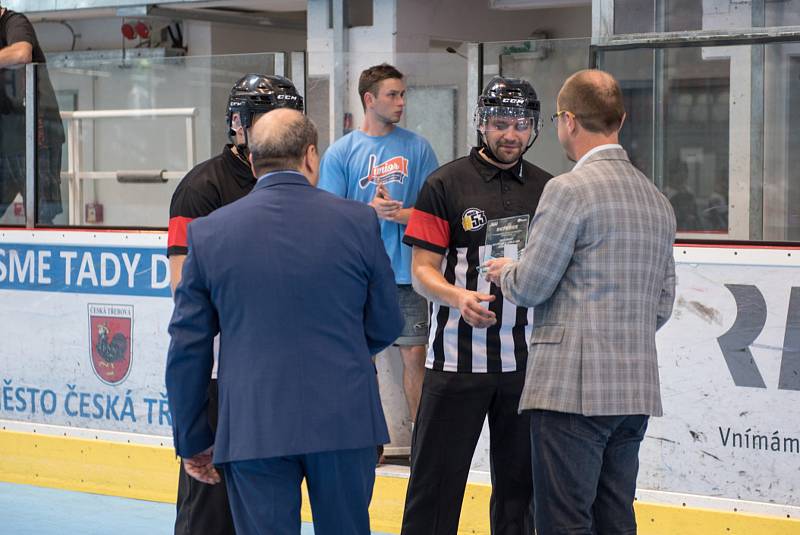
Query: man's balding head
x=595 y=99
x=280 y=140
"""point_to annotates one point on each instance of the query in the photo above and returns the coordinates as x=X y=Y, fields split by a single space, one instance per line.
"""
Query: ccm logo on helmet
x=287 y=97
x=512 y=100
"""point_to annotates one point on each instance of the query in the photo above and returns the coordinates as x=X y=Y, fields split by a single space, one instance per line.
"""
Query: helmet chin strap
x=529 y=145
x=242 y=152
x=486 y=148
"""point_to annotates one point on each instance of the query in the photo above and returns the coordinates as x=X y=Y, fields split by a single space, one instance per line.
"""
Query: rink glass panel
x=642 y=16
x=120 y=172
x=12 y=146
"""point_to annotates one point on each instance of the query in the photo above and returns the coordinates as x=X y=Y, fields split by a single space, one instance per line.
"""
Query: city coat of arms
x=110 y=337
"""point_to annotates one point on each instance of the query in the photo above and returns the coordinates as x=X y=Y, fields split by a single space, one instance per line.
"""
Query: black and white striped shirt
x=450 y=218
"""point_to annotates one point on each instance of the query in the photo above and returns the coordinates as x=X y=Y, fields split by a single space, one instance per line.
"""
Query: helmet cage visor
x=503 y=118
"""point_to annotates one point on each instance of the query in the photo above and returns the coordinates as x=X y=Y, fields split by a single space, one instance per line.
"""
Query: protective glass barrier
x=132 y=128
x=679 y=130
x=643 y=16
x=545 y=64
x=781 y=156
x=436 y=104
x=712 y=127
x=12 y=147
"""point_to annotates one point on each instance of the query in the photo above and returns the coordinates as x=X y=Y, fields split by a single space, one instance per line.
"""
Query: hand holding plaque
x=505 y=238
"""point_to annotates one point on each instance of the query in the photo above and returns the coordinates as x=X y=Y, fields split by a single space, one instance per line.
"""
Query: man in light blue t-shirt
x=385 y=166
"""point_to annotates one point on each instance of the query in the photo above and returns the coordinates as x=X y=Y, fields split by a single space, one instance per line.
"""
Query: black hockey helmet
x=510 y=98
x=260 y=93
x=510 y=93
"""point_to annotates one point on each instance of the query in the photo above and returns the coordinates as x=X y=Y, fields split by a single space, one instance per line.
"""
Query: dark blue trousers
x=584 y=472
x=265 y=496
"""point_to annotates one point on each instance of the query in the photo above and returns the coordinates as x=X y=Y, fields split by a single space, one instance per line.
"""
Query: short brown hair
x=595 y=98
x=280 y=145
x=370 y=78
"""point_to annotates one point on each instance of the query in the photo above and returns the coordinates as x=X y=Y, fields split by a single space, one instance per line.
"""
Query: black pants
x=585 y=471
x=203 y=509
x=451 y=415
x=12 y=182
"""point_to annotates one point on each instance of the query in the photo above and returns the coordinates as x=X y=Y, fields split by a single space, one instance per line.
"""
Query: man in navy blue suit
x=298 y=285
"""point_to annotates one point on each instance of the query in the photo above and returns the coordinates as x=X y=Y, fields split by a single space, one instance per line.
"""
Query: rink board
x=84 y=317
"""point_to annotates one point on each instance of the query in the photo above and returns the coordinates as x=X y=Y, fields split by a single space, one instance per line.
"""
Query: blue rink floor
x=32 y=510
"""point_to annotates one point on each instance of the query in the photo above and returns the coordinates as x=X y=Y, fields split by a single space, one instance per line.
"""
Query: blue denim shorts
x=415 y=314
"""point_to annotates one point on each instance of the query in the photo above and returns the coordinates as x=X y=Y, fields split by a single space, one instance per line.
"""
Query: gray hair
x=278 y=145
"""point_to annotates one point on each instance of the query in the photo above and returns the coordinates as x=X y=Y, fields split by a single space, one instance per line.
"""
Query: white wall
x=201 y=38
x=91 y=34
x=419 y=21
x=230 y=39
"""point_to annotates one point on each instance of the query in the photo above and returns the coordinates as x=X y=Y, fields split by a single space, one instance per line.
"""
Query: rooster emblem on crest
x=110 y=351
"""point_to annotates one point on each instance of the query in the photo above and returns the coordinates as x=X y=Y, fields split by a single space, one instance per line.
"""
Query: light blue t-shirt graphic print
x=402 y=160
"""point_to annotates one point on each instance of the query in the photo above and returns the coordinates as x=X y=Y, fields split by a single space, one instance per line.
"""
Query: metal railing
x=74 y=150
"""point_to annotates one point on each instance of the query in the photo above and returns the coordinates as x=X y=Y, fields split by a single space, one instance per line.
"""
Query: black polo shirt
x=449 y=218
x=209 y=185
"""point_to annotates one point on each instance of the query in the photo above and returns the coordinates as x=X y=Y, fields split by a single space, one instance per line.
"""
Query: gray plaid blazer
x=599 y=269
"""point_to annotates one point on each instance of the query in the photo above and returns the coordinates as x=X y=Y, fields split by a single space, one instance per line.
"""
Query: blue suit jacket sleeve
x=191 y=357
x=383 y=321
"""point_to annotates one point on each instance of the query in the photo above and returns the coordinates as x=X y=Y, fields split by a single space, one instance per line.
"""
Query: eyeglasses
x=556 y=115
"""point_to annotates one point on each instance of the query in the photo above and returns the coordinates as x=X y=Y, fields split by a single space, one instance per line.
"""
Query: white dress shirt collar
x=594 y=151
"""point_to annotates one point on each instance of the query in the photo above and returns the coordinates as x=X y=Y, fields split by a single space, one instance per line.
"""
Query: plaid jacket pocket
x=548 y=334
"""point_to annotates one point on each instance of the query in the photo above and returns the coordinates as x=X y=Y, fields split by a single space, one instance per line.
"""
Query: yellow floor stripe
x=150 y=473
x=656 y=519
x=99 y=466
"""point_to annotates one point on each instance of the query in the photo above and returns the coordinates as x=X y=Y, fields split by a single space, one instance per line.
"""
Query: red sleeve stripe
x=176 y=233
x=426 y=227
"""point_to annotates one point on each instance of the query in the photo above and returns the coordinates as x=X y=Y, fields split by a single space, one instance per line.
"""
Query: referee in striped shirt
x=478 y=343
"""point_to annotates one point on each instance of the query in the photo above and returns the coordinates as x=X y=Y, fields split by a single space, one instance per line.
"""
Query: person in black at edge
x=19 y=46
x=478 y=347
x=203 y=509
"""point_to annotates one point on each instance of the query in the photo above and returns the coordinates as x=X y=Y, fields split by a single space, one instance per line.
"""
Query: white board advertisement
x=730 y=382
x=84 y=322
x=84 y=316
